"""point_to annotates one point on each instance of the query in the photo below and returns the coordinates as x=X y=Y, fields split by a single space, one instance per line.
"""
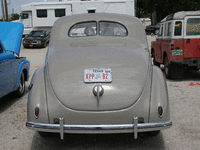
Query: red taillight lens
x=160 y=111
x=37 y=112
x=172 y=46
x=146 y=27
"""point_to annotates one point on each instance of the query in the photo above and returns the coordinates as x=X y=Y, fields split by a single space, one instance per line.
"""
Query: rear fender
x=159 y=97
x=23 y=65
x=37 y=98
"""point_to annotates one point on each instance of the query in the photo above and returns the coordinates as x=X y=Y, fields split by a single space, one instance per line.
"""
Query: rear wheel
x=167 y=68
x=21 y=88
x=154 y=60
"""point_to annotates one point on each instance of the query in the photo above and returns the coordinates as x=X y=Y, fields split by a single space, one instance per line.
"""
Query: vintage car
x=178 y=43
x=98 y=78
x=14 y=70
x=36 y=38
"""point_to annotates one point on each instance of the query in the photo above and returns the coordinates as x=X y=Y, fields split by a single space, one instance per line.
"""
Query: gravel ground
x=184 y=134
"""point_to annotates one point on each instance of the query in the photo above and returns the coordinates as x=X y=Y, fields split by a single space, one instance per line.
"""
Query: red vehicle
x=178 y=43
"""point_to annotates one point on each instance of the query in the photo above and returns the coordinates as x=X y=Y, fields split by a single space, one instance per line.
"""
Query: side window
x=24 y=16
x=83 y=29
x=166 y=29
x=161 y=30
x=59 y=12
x=178 y=28
x=42 y=13
x=169 y=32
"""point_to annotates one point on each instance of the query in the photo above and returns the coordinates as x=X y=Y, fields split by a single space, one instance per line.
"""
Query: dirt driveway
x=185 y=113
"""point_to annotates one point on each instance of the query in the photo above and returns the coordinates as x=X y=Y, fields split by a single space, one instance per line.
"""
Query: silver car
x=98 y=78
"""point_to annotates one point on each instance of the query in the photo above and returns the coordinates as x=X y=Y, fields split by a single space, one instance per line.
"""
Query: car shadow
x=189 y=75
x=98 y=142
x=32 y=48
x=9 y=100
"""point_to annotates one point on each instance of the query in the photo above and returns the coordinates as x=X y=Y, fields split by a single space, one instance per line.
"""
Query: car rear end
x=98 y=83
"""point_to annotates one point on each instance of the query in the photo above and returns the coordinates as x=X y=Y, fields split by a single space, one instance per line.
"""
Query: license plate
x=31 y=45
x=98 y=75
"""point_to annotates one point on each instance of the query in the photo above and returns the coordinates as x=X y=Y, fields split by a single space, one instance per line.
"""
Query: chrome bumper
x=103 y=129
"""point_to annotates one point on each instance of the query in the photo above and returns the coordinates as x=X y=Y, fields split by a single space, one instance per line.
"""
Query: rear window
x=90 y=29
x=193 y=26
x=83 y=29
x=112 y=29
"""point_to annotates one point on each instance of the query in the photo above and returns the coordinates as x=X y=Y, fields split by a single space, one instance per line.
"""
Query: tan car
x=98 y=78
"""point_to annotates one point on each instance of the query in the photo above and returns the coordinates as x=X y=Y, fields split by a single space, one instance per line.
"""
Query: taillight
x=37 y=112
x=160 y=111
x=172 y=46
x=146 y=27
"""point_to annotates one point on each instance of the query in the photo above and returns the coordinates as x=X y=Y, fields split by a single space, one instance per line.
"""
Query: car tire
x=155 y=62
x=21 y=88
x=44 y=45
x=25 y=46
x=167 y=68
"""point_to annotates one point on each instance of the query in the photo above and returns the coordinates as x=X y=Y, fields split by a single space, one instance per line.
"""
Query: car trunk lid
x=129 y=73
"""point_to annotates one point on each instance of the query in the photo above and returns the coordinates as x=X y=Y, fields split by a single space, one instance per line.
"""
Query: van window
x=161 y=30
x=193 y=26
x=178 y=28
x=168 y=29
x=24 y=16
x=42 y=13
x=169 y=32
x=59 y=12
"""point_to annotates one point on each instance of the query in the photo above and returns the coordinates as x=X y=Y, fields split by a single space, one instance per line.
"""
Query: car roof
x=132 y=24
x=181 y=15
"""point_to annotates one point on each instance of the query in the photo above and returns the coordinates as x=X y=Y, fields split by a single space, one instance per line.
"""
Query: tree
x=165 y=7
x=14 y=17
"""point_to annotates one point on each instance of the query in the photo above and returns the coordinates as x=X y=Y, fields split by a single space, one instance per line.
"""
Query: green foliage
x=165 y=7
x=14 y=17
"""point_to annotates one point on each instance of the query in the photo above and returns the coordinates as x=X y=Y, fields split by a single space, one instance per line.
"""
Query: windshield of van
x=193 y=26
